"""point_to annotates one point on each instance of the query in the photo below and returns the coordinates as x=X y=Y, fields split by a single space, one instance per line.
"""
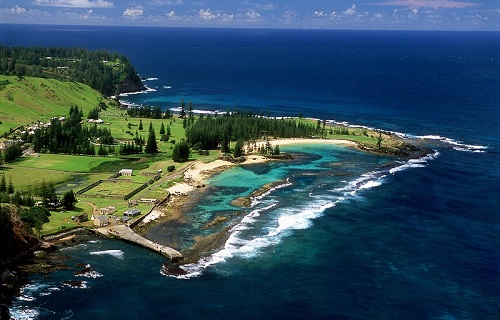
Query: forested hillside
x=107 y=72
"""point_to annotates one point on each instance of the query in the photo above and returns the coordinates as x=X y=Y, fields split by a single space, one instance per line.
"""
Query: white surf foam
x=256 y=200
x=291 y=219
x=146 y=90
x=92 y=274
x=456 y=145
x=115 y=253
x=23 y=313
x=198 y=111
x=370 y=184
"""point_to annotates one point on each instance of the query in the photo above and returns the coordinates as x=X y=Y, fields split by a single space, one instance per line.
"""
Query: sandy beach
x=199 y=172
x=285 y=142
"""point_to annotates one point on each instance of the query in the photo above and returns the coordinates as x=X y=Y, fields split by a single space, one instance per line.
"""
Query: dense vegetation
x=153 y=113
x=69 y=136
x=107 y=72
x=213 y=131
x=14 y=237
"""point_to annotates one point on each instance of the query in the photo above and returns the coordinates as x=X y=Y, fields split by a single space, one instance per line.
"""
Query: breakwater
x=125 y=233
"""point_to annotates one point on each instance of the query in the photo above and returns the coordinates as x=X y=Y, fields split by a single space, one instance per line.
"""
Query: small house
x=132 y=213
x=107 y=210
x=147 y=200
x=101 y=221
x=126 y=172
x=81 y=218
x=124 y=219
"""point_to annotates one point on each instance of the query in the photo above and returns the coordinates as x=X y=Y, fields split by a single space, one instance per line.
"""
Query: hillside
x=104 y=71
x=28 y=99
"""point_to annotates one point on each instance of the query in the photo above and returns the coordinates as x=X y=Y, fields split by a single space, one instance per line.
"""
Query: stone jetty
x=125 y=233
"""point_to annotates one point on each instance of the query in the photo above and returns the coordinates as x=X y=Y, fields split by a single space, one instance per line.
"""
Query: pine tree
x=276 y=150
x=151 y=143
x=69 y=200
x=162 y=129
x=238 y=148
x=182 y=113
x=140 y=125
x=102 y=151
x=10 y=188
x=176 y=153
x=379 y=139
x=3 y=184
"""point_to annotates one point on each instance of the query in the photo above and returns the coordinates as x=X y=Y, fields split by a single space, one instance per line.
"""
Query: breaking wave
x=456 y=145
x=115 y=253
x=270 y=221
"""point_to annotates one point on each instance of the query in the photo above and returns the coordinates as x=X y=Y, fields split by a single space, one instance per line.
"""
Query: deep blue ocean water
x=346 y=235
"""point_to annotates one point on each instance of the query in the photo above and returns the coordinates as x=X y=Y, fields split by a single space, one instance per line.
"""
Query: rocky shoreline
x=42 y=260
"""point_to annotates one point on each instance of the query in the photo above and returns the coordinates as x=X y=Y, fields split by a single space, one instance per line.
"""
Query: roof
x=126 y=171
x=132 y=212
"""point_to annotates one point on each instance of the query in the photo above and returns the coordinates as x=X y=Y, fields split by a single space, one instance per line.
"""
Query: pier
x=125 y=233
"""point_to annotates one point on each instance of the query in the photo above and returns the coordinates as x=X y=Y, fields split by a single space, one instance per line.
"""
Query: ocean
x=344 y=234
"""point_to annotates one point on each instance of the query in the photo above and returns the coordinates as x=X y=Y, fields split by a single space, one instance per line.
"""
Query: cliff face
x=131 y=85
x=16 y=243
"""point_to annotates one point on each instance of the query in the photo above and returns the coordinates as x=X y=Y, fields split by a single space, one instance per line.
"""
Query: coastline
x=194 y=183
x=193 y=186
x=196 y=176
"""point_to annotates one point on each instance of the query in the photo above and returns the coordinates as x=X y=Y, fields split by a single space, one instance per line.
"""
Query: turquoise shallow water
x=348 y=235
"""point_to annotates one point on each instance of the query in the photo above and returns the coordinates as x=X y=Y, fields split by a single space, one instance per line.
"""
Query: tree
x=102 y=151
x=35 y=217
x=224 y=144
x=69 y=200
x=162 y=129
x=94 y=114
x=176 y=153
x=140 y=125
x=17 y=199
x=151 y=143
x=190 y=112
x=6 y=230
x=238 y=148
x=48 y=195
x=10 y=188
x=379 y=139
x=3 y=184
x=12 y=152
x=181 y=151
x=182 y=113
x=276 y=150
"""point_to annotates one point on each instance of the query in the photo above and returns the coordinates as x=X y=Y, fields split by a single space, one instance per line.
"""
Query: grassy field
x=23 y=101
x=67 y=163
x=26 y=100
x=28 y=177
x=61 y=220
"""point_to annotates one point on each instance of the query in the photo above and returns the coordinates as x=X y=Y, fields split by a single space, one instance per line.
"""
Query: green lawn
x=66 y=163
x=26 y=100
x=24 y=178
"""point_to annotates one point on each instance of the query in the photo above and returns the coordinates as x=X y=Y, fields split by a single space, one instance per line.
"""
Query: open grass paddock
x=26 y=100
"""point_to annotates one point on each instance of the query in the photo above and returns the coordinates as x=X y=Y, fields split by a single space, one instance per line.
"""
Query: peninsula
x=73 y=157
